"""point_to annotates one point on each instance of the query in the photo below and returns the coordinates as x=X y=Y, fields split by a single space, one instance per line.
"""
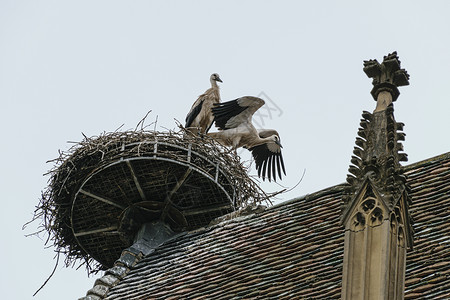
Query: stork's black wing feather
x=224 y=111
x=268 y=163
x=193 y=114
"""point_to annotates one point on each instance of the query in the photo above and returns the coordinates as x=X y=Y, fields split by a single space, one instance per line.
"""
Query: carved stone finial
x=375 y=203
x=387 y=76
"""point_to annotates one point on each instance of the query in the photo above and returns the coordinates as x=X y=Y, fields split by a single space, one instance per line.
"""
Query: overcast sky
x=68 y=67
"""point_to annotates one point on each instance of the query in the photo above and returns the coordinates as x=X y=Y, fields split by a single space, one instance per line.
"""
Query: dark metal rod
x=136 y=181
x=95 y=231
x=100 y=198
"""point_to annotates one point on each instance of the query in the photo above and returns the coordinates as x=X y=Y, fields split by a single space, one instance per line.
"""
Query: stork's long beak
x=278 y=143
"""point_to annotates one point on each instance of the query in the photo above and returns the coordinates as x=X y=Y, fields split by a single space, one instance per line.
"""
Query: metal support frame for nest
x=103 y=189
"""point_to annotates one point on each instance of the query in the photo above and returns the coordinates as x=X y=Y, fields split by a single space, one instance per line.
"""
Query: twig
x=301 y=179
x=156 y=122
x=53 y=272
x=119 y=128
x=141 y=122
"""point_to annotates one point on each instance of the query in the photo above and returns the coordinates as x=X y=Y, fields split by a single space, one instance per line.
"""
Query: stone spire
x=375 y=209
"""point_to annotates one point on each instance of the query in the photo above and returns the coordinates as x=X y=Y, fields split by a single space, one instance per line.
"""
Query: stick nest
x=73 y=166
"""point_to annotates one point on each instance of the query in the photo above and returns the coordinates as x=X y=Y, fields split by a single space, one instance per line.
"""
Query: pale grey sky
x=68 y=67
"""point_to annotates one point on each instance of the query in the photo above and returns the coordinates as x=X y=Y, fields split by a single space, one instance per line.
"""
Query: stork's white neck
x=214 y=84
x=259 y=141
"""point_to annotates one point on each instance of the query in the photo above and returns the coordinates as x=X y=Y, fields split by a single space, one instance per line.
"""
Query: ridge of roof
x=427 y=161
x=341 y=186
x=310 y=196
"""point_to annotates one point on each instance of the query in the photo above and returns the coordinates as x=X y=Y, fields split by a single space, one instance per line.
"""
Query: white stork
x=200 y=117
x=234 y=121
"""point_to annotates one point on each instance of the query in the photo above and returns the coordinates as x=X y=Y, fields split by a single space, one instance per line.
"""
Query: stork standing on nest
x=200 y=117
x=234 y=121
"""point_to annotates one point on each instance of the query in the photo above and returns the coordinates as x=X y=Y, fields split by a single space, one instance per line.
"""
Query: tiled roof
x=428 y=266
x=293 y=250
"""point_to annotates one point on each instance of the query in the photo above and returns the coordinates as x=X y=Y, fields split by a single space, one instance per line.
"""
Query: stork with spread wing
x=234 y=121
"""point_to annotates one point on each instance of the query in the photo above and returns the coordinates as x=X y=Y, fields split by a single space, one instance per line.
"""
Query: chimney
x=375 y=205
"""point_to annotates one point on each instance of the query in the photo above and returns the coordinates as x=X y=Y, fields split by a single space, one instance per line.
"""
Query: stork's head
x=276 y=139
x=215 y=77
